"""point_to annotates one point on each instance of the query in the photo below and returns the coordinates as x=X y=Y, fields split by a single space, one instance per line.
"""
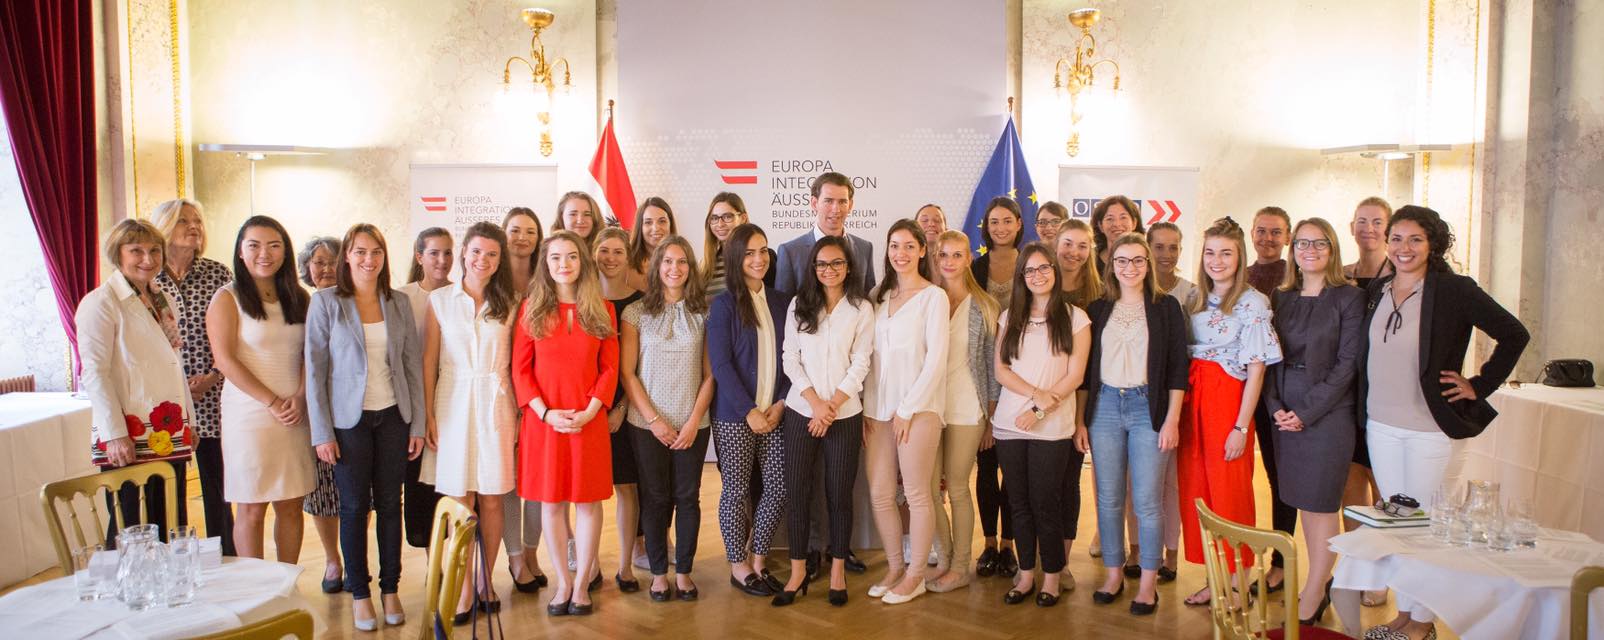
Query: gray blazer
x=1331 y=353
x=337 y=363
x=793 y=258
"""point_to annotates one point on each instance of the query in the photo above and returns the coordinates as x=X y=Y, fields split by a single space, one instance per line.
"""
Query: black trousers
x=417 y=506
x=1069 y=496
x=1034 y=471
x=155 y=501
x=369 y=474
x=991 y=496
x=839 y=450
x=1283 y=517
x=670 y=491
x=219 y=515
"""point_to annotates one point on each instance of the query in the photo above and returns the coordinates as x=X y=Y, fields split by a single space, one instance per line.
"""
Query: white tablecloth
x=1546 y=444
x=44 y=437
x=239 y=592
x=1477 y=592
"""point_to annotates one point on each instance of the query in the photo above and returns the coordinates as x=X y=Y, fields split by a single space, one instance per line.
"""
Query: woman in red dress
x=564 y=372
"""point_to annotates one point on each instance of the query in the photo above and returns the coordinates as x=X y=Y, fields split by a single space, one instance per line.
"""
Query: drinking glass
x=1523 y=526
x=1445 y=506
x=1500 y=535
x=83 y=577
x=183 y=567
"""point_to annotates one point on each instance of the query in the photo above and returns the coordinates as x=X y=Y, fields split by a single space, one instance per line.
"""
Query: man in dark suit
x=832 y=203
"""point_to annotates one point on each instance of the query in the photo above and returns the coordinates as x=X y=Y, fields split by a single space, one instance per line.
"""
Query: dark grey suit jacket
x=793 y=258
x=1332 y=339
x=337 y=363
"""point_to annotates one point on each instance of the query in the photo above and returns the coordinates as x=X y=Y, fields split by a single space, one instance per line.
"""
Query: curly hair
x=1438 y=236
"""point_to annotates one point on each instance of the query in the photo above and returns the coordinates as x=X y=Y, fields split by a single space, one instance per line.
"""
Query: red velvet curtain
x=47 y=91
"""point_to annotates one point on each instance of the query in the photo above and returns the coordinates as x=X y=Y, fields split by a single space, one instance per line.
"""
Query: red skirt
x=564 y=467
x=1207 y=415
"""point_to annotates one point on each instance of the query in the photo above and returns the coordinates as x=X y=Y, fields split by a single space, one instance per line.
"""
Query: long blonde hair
x=1089 y=285
x=540 y=308
x=989 y=309
x=1230 y=230
x=712 y=249
x=1111 y=285
x=1333 y=272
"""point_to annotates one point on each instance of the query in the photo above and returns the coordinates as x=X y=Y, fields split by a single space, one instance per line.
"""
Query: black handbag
x=1568 y=373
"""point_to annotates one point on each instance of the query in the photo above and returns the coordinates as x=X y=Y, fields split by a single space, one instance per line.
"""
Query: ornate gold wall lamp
x=1072 y=78
x=542 y=72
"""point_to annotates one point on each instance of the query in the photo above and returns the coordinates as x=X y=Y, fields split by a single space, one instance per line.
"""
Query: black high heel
x=1319 y=612
x=838 y=597
x=788 y=597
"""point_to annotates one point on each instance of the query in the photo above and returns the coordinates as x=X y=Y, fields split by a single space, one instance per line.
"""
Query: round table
x=237 y=592
x=1477 y=592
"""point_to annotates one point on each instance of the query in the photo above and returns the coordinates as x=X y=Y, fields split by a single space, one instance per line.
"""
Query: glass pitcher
x=141 y=567
x=1482 y=508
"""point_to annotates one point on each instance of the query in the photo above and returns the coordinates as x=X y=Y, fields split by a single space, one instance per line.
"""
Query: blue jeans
x=369 y=475
x=1123 y=440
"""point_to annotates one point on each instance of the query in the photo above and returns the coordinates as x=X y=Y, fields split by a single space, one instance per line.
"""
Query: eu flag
x=1005 y=175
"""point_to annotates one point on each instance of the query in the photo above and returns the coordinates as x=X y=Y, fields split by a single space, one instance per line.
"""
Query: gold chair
x=450 y=546
x=297 y=623
x=89 y=486
x=1582 y=585
x=1240 y=620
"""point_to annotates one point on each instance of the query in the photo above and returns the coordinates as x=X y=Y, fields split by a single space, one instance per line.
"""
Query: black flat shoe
x=812 y=567
x=855 y=565
x=773 y=583
x=1253 y=589
x=787 y=597
x=334 y=586
x=838 y=597
x=462 y=618
x=1133 y=571
x=1015 y=596
x=1007 y=564
x=1104 y=597
x=595 y=583
x=1320 y=612
x=626 y=586
x=559 y=609
x=576 y=609
x=1045 y=599
x=752 y=586
x=1166 y=574
x=533 y=586
x=661 y=596
x=986 y=566
x=1143 y=608
x=687 y=595
x=489 y=606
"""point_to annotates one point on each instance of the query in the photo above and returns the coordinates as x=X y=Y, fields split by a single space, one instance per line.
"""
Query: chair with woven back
x=296 y=623
x=1234 y=618
x=1582 y=585
x=67 y=491
x=450 y=546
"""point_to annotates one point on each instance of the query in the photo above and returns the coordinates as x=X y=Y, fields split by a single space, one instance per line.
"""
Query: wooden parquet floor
x=722 y=612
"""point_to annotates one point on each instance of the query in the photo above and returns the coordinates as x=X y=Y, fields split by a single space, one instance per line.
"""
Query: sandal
x=1192 y=601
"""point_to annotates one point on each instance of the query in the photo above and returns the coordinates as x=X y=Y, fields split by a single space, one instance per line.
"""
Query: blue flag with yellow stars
x=1007 y=176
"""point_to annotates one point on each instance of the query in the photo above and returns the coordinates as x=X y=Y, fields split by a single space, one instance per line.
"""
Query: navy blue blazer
x=732 y=353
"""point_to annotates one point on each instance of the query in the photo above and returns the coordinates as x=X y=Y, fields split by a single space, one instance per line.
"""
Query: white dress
x=263 y=459
x=475 y=411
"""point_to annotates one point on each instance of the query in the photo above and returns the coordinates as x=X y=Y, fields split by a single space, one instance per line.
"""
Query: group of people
x=582 y=363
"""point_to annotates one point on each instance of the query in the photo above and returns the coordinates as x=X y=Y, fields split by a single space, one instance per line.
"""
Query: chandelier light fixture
x=1072 y=78
x=542 y=73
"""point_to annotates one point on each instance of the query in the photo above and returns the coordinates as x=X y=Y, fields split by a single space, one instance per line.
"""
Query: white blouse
x=908 y=374
x=379 y=392
x=835 y=357
x=130 y=364
x=419 y=299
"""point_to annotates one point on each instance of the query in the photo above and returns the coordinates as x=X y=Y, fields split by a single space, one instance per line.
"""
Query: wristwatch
x=1035 y=410
x=1241 y=428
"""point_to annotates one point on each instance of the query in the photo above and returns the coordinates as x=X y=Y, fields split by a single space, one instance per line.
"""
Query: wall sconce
x=541 y=72
x=1072 y=78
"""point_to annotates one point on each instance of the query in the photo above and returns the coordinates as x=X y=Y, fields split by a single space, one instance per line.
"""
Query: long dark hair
x=422 y=243
x=810 y=294
x=1001 y=202
x=499 y=296
x=734 y=278
x=291 y=297
x=1060 y=331
x=695 y=293
x=1438 y=236
x=638 y=252
x=889 y=280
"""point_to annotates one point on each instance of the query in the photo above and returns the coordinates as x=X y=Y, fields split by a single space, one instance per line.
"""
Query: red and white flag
x=612 y=179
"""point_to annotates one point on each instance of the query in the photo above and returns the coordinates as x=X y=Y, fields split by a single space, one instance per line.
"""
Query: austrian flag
x=611 y=179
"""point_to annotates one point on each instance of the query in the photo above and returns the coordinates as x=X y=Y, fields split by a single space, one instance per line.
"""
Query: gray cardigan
x=982 y=359
x=337 y=363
